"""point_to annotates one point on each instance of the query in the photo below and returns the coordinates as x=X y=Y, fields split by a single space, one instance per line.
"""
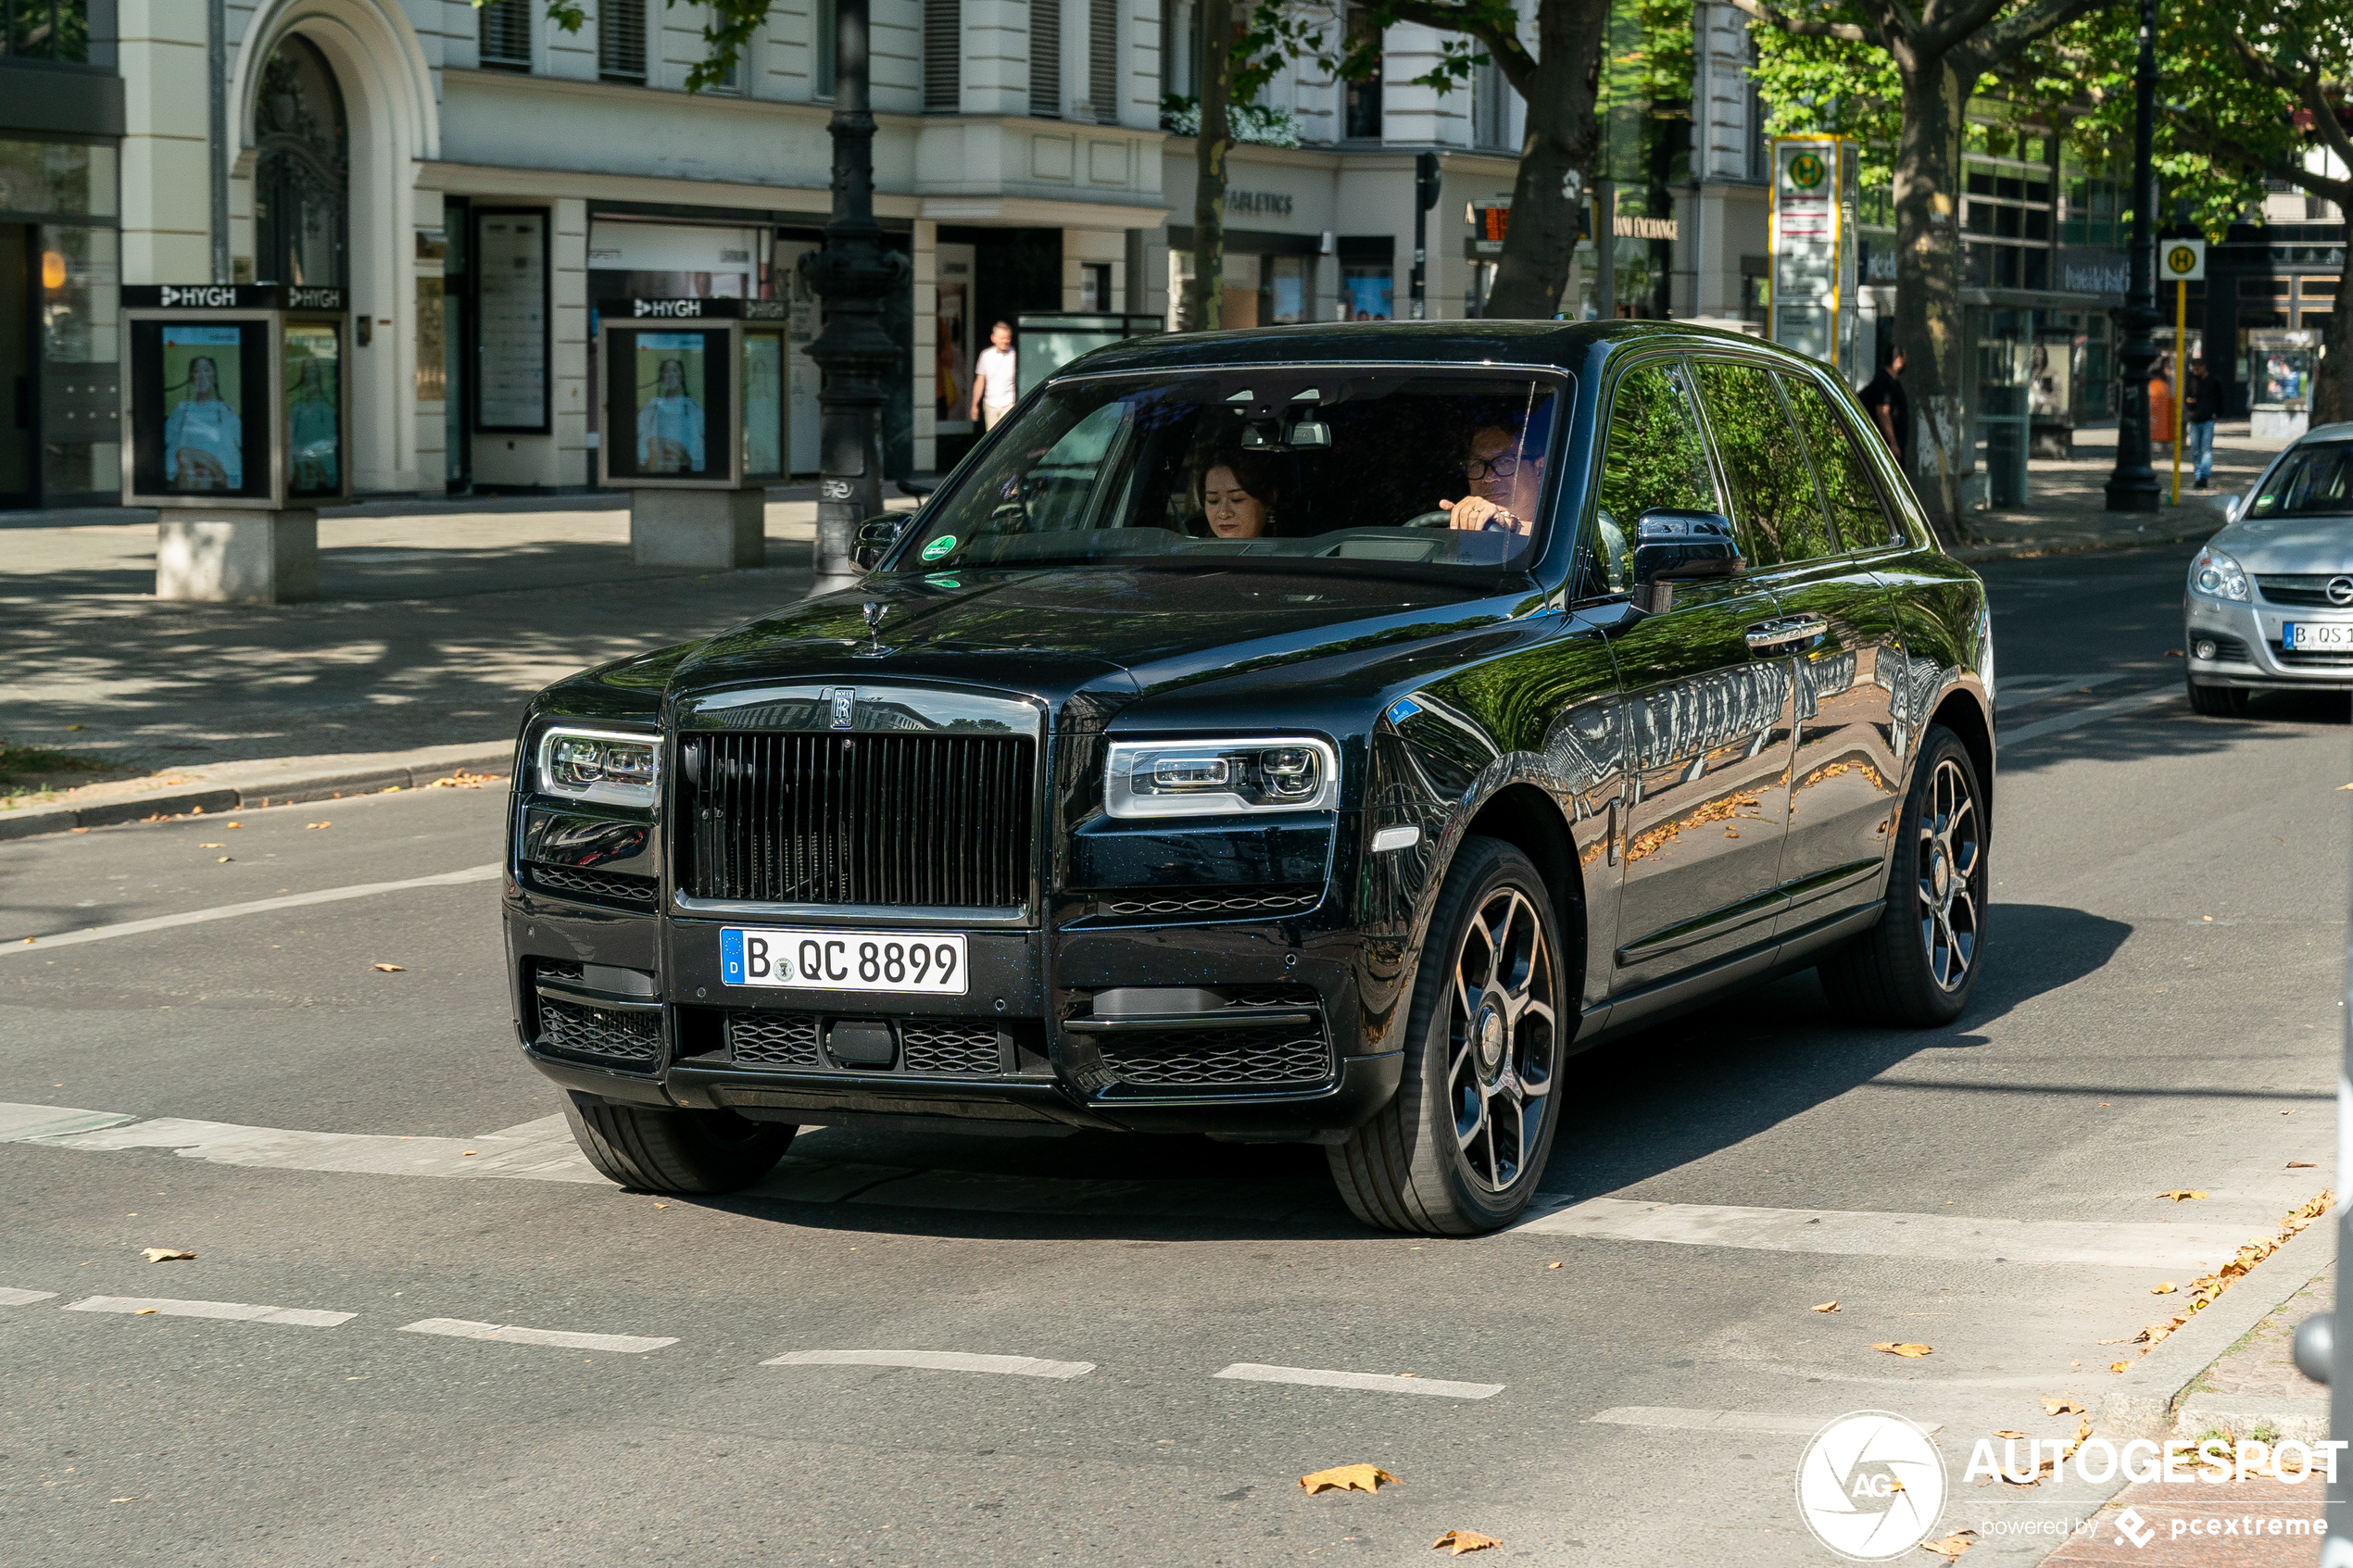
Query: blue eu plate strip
x=731 y=957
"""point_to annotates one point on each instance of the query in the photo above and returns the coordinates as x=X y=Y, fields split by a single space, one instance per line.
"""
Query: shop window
x=79 y=283
x=1282 y=290
x=943 y=57
x=1102 y=59
x=47 y=30
x=621 y=40
x=57 y=177
x=1368 y=290
x=1046 y=58
x=505 y=34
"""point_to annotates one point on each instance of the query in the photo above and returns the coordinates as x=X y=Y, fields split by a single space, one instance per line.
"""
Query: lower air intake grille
x=2309 y=657
x=1237 y=903
x=786 y=1039
x=600 y=887
x=953 y=1049
x=1191 y=1059
x=609 y=1034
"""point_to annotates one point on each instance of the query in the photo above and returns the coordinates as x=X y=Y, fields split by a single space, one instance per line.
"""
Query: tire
x=1453 y=1153
x=680 y=1152
x=2218 y=702
x=1919 y=966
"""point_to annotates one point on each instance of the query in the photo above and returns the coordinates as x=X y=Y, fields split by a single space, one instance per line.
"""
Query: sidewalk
x=2067 y=502
x=434 y=628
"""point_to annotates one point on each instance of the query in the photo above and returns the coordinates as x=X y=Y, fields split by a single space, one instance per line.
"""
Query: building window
x=621 y=40
x=47 y=30
x=1102 y=59
x=1490 y=108
x=506 y=35
x=943 y=57
x=1364 y=97
x=2007 y=209
x=1094 y=285
x=828 y=44
x=1179 y=48
x=302 y=172
x=1046 y=58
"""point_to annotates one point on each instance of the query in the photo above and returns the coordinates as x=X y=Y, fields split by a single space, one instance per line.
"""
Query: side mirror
x=876 y=536
x=1672 y=547
x=2230 y=505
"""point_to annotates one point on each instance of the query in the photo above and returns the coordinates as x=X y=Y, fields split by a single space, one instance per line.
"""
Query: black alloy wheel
x=651 y=1150
x=1920 y=964
x=1461 y=1147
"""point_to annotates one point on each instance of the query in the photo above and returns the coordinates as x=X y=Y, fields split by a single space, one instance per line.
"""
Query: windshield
x=2314 y=480
x=1371 y=467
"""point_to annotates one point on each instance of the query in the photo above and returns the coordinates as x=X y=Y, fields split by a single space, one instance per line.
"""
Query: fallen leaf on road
x=236 y=824
x=388 y=967
x=2082 y=1430
x=81 y=726
x=2061 y=1405
x=2345 y=786
x=1462 y=1541
x=2163 y=1287
x=145 y=1313
x=166 y=1255
x=1349 y=1478
x=2174 y=653
x=212 y=846
x=466 y=1153
x=2301 y=1165
x=223 y=860
x=2117 y=1366
x=1893 y=1348
x=1826 y=1307
x=1952 y=1546
x=1893 y=1486
x=2180 y=1193
x=1551 y=1265
x=30 y=940
x=2013 y=1436
x=307 y=827
x=462 y=779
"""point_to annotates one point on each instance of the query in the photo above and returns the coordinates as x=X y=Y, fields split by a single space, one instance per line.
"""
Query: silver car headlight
x=2217 y=576
x=614 y=768
x=1217 y=778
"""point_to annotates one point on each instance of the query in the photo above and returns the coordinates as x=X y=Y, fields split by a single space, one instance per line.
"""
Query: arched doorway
x=302 y=170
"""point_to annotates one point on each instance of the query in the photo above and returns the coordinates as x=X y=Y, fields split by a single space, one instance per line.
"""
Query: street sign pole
x=2181 y=349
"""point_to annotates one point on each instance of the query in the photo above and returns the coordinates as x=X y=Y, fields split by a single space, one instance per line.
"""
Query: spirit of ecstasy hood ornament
x=875 y=612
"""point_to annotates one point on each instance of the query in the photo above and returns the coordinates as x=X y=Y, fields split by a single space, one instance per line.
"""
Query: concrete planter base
x=238 y=556
x=725 y=529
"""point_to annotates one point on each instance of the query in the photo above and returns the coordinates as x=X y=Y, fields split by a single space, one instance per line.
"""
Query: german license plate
x=2326 y=636
x=927 y=963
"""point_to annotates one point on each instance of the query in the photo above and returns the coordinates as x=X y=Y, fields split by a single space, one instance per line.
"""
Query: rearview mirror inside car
x=1672 y=547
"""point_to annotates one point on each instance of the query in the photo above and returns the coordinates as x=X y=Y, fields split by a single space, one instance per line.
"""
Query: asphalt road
x=2159 y=1012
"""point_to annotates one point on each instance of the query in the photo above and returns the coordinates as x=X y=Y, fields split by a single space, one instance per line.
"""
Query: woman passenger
x=1237 y=497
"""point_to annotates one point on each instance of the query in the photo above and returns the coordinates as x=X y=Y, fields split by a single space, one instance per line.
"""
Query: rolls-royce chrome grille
x=916 y=821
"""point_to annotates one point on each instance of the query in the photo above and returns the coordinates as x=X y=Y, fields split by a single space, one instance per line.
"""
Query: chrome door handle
x=1779 y=632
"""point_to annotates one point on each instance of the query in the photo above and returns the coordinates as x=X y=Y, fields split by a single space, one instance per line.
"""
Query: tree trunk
x=2333 y=386
x=1540 y=248
x=1928 y=285
x=1210 y=147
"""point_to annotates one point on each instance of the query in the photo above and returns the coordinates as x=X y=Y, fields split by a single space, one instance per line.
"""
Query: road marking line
x=2091 y=715
x=258 y=906
x=509 y=1333
x=551 y=1159
x=1380 y=1383
x=1724 y=1421
x=935 y=1360
x=11 y=1298
x=2059 y=686
x=234 y=1312
x=21 y=1123
x=1952 y=1236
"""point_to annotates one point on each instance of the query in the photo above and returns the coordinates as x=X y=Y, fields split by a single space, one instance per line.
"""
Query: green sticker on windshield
x=939 y=546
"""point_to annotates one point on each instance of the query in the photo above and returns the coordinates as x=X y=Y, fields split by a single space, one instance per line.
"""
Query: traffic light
x=1426 y=179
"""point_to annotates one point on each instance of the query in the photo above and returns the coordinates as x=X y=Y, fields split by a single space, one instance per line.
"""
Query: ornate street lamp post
x=851 y=274
x=2132 y=487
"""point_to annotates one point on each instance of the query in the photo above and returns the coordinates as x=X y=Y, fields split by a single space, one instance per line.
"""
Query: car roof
x=1548 y=345
x=2339 y=432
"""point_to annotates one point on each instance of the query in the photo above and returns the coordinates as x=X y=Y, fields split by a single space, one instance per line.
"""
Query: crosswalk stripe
x=1377 y=1382
x=9 y=1297
x=2082 y=716
x=253 y=907
x=234 y=1311
x=511 y=1333
x=1723 y=1421
x=935 y=1360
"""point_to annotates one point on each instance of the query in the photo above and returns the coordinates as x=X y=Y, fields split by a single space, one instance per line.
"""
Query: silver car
x=2270 y=605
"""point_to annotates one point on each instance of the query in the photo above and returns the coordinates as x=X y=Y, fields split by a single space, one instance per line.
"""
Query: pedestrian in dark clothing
x=1890 y=409
x=2201 y=405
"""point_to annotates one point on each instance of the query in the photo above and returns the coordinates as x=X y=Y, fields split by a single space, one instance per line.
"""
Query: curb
x=2139 y=1402
x=2027 y=550
x=2307 y=1421
x=304 y=779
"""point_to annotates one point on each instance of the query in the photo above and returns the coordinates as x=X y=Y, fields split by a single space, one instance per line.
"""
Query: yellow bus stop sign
x=2180 y=261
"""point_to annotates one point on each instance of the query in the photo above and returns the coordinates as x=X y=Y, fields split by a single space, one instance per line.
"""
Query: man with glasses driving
x=1506 y=474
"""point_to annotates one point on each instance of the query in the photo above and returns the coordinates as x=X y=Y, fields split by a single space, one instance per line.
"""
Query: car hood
x=2290 y=544
x=1121 y=632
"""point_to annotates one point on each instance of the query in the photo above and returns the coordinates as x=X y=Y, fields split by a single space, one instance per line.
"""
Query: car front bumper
x=2246 y=642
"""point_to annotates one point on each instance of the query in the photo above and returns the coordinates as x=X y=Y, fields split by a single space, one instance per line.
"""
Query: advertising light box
x=694 y=393
x=237 y=396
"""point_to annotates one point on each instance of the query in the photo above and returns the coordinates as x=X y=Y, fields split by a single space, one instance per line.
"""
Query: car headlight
x=619 y=769
x=2217 y=576
x=1216 y=778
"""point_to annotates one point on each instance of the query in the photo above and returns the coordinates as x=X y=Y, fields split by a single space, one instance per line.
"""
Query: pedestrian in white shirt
x=993 y=376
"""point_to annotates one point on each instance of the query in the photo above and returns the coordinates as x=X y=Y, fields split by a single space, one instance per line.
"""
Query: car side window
x=1653 y=456
x=1855 y=507
x=1776 y=510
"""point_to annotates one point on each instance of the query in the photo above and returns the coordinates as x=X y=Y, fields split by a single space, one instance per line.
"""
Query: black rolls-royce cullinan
x=1307 y=734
